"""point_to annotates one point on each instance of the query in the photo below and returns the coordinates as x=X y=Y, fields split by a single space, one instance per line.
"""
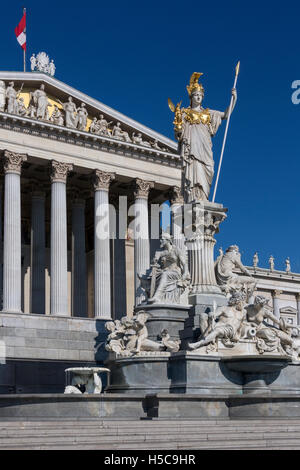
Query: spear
x=237 y=69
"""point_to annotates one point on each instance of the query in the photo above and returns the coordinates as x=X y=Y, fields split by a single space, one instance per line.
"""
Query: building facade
x=64 y=158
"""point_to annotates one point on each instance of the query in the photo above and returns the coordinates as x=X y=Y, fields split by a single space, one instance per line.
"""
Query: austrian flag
x=20 y=31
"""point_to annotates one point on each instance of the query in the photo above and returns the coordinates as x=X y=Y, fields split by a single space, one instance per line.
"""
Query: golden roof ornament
x=194 y=84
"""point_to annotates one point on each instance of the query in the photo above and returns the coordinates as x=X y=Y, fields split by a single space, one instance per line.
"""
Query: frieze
x=97 y=142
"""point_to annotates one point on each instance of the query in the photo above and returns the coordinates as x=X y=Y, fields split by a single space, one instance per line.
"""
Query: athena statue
x=194 y=129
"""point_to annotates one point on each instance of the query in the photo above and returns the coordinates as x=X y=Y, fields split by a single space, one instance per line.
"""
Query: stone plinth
x=143 y=373
x=202 y=223
x=257 y=372
x=162 y=316
x=186 y=372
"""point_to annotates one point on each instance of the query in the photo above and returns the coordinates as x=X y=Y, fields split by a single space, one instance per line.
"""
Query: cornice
x=52 y=131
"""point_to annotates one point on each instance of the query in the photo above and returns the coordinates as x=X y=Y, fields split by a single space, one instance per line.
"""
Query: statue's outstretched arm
x=239 y=264
x=234 y=96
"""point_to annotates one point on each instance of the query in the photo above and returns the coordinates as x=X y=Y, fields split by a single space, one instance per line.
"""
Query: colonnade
x=59 y=171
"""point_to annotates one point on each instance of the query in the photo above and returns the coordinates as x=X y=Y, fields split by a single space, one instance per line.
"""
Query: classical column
x=59 y=255
x=276 y=295
x=176 y=200
x=1 y=244
x=79 y=281
x=102 y=281
x=141 y=235
x=201 y=224
x=298 y=307
x=12 y=232
x=37 y=270
x=119 y=300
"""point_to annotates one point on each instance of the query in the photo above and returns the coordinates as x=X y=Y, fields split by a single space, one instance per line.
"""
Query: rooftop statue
x=272 y=263
x=138 y=139
x=12 y=98
x=155 y=145
x=2 y=95
x=94 y=127
x=117 y=133
x=103 y=126
x=228 y=280
x=194 y=128
x=57 y=117
x=255 y=260
x=21 y=109
x=82 y=115
x=169 y=277
x=70 y=113
x=41 y=63
x=41 y=103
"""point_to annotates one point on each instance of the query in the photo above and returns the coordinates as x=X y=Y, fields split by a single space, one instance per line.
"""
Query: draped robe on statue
x=196 y=150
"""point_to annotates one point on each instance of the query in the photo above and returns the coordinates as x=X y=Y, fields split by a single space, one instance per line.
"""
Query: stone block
x=35 y=353
x=68 y=355
x=26 y=332
x=86 y=355
x=13 y=321
x=14 y=341
x=7 y=331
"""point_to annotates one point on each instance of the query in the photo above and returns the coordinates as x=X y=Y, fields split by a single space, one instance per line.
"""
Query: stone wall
x=39 y=347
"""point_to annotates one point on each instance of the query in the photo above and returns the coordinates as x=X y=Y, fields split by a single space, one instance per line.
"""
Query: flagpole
x=237 y=69
x=24 y=50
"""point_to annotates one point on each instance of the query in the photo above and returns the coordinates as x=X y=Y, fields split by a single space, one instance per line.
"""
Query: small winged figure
x=178 y=114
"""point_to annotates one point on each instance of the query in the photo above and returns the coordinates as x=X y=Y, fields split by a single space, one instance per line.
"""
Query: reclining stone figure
x=225 y=324
x=270 y=338
x=130 y=336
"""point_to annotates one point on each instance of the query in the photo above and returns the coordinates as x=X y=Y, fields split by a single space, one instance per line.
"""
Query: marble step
x=175 y=445
x=205 y=430
x=124 y=440
x=150 y=435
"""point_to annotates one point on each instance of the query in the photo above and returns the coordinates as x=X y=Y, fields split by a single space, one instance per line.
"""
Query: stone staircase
x=152 y=434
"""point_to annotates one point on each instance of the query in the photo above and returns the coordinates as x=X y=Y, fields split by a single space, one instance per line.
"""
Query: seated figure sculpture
x=130 y=336
x=228 y=280
x=270 y=338
x=169 y=276
x=225 y=324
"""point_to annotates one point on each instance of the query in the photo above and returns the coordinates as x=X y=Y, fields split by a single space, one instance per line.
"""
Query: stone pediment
x=42 y=98
x=288 y=310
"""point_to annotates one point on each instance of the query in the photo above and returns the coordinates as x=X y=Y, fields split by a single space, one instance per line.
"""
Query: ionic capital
x=102 y=180
x=142 y=188
x=13 y=162
x=59 y=171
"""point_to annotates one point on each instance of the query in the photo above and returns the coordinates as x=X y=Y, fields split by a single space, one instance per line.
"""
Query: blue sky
x=133 y=55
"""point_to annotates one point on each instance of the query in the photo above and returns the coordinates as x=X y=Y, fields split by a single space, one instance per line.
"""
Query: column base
x=206 y=289
x=208 y=298
x=11 y=311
